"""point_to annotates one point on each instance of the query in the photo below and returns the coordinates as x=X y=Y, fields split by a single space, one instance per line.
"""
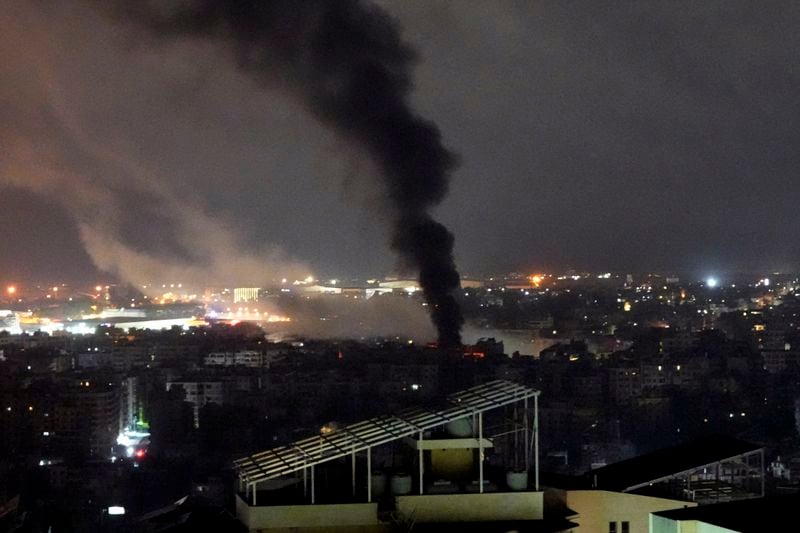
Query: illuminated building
x=245 y=294
x=9 y=322
x=248 y=358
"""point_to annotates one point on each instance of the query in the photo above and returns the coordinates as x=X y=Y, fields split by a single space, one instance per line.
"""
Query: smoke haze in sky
x=604 y=135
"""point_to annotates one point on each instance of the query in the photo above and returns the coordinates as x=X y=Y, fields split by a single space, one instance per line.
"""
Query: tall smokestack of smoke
x=347 y=63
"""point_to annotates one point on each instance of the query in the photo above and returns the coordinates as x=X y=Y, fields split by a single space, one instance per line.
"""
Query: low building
x=248 y=358
x=602 y=511
x=777 y=513
x=708 y=470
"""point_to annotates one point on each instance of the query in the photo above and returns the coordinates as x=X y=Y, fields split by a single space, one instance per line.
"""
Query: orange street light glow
x=11 y=290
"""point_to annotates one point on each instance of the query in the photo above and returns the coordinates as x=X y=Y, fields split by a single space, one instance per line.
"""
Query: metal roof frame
x=304 y=453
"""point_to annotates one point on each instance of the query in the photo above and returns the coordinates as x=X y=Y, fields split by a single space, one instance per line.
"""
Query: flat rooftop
x=745 y=516
x=657 y=465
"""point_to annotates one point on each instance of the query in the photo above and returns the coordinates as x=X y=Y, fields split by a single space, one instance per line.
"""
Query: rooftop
x=744 y=516
x=353 y=438
x=660 y=464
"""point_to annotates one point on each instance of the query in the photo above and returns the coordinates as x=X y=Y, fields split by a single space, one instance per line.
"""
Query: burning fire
x=536 y=279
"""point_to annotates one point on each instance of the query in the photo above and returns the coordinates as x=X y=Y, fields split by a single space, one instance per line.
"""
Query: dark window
x=612 y=527
x=626 y=527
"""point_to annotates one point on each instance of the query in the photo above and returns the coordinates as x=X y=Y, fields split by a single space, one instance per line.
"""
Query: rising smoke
x=50 y=145
x=345 y=60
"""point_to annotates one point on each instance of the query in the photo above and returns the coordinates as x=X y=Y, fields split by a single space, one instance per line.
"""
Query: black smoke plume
x=347 y=63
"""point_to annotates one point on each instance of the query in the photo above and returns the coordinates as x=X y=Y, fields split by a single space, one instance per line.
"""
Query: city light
x=461 y=362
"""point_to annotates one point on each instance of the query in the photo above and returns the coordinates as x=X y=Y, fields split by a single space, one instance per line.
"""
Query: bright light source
x=712 y=282
x=766 y=282
x=139 y=453
x=116 y=510
x=11 y=290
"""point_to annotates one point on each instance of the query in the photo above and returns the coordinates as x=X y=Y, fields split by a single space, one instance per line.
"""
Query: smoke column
x=347 y=63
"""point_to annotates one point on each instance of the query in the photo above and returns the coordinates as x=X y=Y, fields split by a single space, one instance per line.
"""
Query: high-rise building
x=88 y=418
x=245 y=294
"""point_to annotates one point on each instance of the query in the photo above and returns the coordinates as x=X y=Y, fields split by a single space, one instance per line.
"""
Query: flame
x=536 y=279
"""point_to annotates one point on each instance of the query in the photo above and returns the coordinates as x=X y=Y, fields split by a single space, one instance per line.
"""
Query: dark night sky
x=605 y=135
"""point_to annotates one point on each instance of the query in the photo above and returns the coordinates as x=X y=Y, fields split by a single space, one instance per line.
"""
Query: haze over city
x=632 y=139
x=399 y=265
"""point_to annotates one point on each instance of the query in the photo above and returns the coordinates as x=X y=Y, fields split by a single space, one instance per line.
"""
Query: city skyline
x=383 y=265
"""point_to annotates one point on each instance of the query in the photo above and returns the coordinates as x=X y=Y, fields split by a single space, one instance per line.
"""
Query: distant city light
x=116 y=510
x=712 y=282
x=11 y=290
